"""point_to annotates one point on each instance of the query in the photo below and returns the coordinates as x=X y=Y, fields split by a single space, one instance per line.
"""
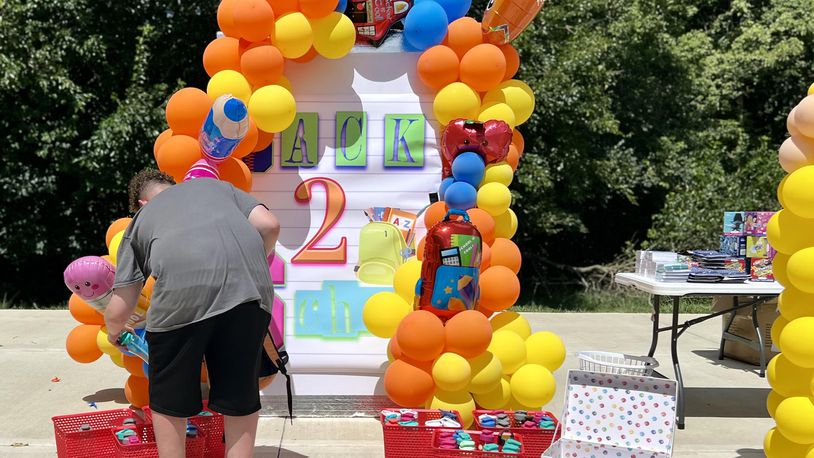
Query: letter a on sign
x=404 y=140
x=298 y=143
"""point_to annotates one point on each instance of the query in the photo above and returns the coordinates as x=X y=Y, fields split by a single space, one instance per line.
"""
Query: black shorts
x=230 y=342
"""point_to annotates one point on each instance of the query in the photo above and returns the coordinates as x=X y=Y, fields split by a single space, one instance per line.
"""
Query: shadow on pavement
x=729 y=363
x=108 y=395
x=726 y=402
x=269 y=452
x=750 y=453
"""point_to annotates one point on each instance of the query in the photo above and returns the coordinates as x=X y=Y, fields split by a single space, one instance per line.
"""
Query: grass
x=608 y=301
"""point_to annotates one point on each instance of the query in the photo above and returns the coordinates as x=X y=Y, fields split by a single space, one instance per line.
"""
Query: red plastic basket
x=536 y=441
x=72 y=442
x=438 y=451
x=148 y=448
x=411 y=441
x=211 y=426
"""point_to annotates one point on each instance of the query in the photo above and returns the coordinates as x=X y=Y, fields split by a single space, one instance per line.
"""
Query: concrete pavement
x=726 y=415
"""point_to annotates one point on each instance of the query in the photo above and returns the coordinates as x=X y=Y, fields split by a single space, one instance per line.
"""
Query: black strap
x=279 y=358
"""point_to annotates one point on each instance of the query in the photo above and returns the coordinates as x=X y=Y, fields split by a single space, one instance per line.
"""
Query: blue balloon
x=342 y=6
x=445 y=184
x=461 y=195
x=455 y=9
x=468 y=167
x=425 y=25
x=146 y=368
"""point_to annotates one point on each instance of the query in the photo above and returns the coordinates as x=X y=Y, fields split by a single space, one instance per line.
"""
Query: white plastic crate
x=616 y=363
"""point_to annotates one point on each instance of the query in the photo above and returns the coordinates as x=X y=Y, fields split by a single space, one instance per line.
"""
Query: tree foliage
x=653 y=117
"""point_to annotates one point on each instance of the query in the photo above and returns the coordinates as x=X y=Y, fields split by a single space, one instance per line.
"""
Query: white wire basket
x=616 y=363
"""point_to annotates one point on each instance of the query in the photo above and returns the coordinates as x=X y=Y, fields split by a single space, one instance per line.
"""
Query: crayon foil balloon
x=202 y=169
x=504 y=20
x=490 y=139
x=91 y=278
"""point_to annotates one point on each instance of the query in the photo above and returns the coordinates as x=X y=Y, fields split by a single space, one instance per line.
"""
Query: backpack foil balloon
x=451 y=266
x=504 y=20
x=490 y=139
x=91 y=278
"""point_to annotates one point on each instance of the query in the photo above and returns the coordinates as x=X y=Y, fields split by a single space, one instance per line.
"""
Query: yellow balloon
x=103 y=344
x=486 y=374
x=795 y=419
x=777 y=330
x=499 y=111
x=457 y=400
x=546 y=349
x=514 y=404
x=788 y=379
x=334 y=35
x=794 y=303
x=405 y=279
x=494 y=198
x=456 y=100
x=113 y=249
x=383 y=312
x=272 y=108
x=229 y=82
x=772 y=401
x=797 y=341
x=533 y=385
x=800 y=270
x=500 y=172
x=117 y=358
x=779 y=268
x=780 y=190
x=797 y=190
x=811 y=89
x=506 y=225
x=451 y=372
x=789 y=233
x=293 y=35
x=517 y=95
x=497 y=398
x=511 y=321
x=286 y=83
x=777 y=446
x=510 y=349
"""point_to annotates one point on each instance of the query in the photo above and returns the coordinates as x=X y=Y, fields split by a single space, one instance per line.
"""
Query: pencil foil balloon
x=91 y=278
x=504 y=20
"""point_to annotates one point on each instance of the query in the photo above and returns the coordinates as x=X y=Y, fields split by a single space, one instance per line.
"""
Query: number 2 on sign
x=335 y=206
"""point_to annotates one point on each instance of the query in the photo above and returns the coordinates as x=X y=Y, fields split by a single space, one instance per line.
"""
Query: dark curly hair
x=141 y=181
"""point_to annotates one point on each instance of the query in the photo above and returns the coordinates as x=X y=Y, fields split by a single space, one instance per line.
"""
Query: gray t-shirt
x=196 y=240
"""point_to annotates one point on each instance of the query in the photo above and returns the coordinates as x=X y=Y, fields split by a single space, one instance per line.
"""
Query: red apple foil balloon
x=490 y=139
x=451 y=266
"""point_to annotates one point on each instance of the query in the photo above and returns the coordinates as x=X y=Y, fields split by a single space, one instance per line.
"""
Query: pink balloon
x=804 y=116
x=790 y=126
x=796 y=152
x=91 y=278
x=202 y=169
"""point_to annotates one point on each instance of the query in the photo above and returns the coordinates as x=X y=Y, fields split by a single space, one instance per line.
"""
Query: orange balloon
x=505 y=253
x=262 y=65
x=226 y=20
x=499 y=288
x=307 y=57
x=147 y=289
x=177 y=155
x=248 y=143
x=264 y=140
x=282 y=7
x=463 y=34
x=421 y=335
x=484 y=222
x=483 y=67
x=407 y=385
x=187 y=111
x=518 y=141
x=438 y=66
x=236 y=172
x=253 y=19
x=116 y=227
x=315 y=9
x=513 y=158
x=396 y=352
x=468 y=334
x=137 y=391
x=486 y=257
x=204 y=373
x=134 y=365
x=486 y=312
x=512 y=60
x=81 y=343
x=82 y=312
x=162 y=137
x=435 y=213
x=222 y=54
x=419 y=252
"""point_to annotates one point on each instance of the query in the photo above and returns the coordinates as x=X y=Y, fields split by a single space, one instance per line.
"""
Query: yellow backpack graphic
x=382 y=249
